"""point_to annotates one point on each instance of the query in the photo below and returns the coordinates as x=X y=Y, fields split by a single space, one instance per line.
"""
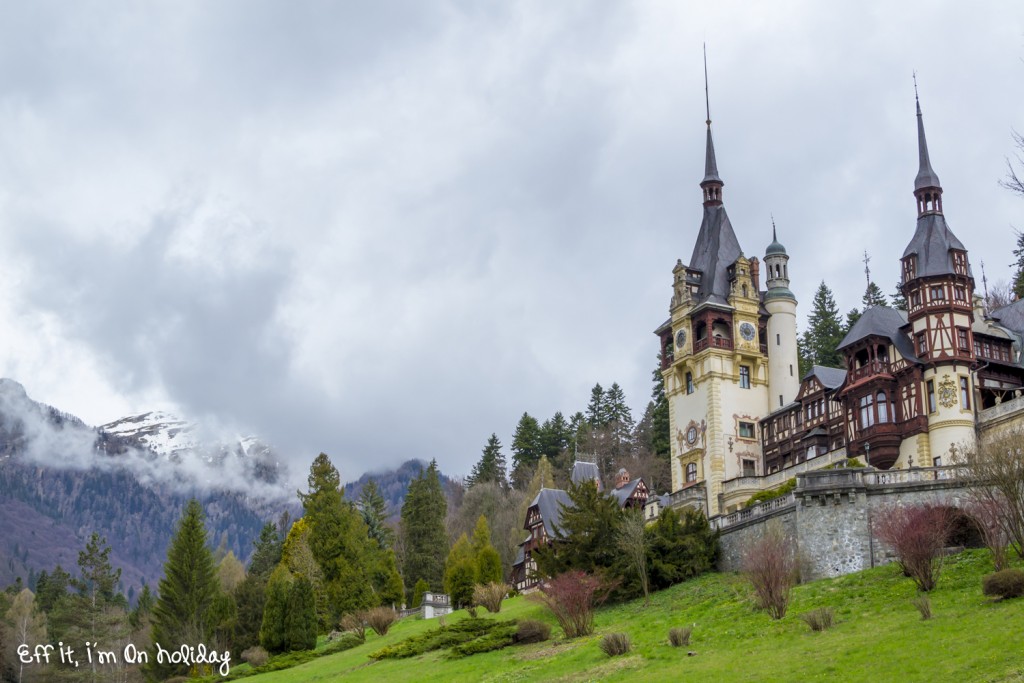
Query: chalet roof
x=882 y=321
x=585 y=471
x=830 y=378
x=926 y=177
x=931 y=243
x=623 y=493
x=549 y=503
x=1011 y=316
x=716 y=249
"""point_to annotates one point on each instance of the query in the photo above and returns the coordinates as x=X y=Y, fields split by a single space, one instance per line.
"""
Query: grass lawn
x=879 y=636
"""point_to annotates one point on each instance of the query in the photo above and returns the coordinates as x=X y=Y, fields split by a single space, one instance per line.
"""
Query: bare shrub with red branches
x=917 y=534
x=988 y=512
x=770 y=565
x=573 y=597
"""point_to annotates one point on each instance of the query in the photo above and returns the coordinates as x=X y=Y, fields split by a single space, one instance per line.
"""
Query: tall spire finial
x=711 y=194
x=867 y=269
x=774 y=237
x=707 y=99
x=926 y=177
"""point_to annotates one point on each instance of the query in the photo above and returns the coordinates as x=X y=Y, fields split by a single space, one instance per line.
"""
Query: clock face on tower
x=747 y=331
x=680 y=338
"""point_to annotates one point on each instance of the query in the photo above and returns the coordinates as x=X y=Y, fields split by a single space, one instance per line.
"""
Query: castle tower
x=779 y=301
x=716 y=374
x=939 y=289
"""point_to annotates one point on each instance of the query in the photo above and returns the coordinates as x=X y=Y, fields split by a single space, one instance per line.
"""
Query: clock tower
x=714 y=354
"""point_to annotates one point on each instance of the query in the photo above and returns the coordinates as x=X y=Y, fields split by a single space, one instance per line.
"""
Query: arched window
x=691 y=472
x=867 y=413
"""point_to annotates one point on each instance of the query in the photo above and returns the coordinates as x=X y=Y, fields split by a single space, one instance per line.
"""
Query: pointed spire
x=926 y=177
x=710 y=164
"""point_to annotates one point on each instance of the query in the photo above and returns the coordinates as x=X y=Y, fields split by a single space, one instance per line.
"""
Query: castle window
x=780 y=400
x=748 y=468
x=691 y=472
x=689 y=382
x=959 y=293
x=922 y=343
x=746 y=430
x=744 y=377
x=915 y=298
x=883 y=407
x=867 y=414
x=937 y=293
x=778 y=340
x=931 y=396
x=961 y=336
x=790 y=369
x=965 y=394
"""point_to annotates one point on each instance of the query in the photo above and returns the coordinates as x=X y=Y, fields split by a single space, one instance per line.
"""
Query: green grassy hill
x=879 y=636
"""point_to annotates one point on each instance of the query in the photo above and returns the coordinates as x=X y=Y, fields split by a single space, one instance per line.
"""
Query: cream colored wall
x=952 y=424
x=783 y=365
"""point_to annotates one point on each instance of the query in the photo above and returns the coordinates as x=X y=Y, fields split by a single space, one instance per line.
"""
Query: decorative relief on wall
x=947 y=392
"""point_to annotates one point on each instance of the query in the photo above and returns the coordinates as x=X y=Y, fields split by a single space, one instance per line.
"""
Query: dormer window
x=910 y=267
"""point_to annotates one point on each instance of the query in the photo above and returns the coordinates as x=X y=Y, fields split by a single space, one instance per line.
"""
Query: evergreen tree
x=486 y=558
x=851 y=319
x=387 y=582
x=1018 y=275
x=597 y=411
x=620 y=425
x=680 y=547
x=578 y=428
x=300 y=618
x=824 y=333
x=339 y=542
x=526 y=449
x=375 y=514
x=554 y=435
x=587 y=532
x=187 y=591
x=250 y=600
x=267 y=553
x=418 y=590
x=660 y=436
x=898 y=300
x=873 y=296
x=460 y=573
x=491 y=466
x=52 y=588
x=423 y=530
x=273 y=630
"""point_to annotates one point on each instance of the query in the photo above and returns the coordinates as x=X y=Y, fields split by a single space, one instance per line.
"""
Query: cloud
x=384 y=231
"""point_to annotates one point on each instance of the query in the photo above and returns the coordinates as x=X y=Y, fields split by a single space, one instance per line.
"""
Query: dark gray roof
x=710 y=163
x=585 y=471
x=926 y=177
x=716 y=249
x=830 y=378
x=623 y=493
x=882 y=321
x=1011 y=316
x=931 y=242
x=775 y=247
x=549 y=503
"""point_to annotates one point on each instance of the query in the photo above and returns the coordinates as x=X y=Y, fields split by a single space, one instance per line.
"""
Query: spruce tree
x=375 y=514
x=587 y=531
x=873 y=296
x=490 y=467
x=898 y=300
x=273 y=629
x=660 y=436
x=267 y=552
x=597 y=412
x=554 y=435
x=824 y=333
x=1018 y=275
x=620 y=424
x=300 y=618
x=187 y=591
x=423 y=530
x=526 y=449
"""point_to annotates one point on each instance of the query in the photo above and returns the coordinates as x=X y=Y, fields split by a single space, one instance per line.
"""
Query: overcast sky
x=384 y=230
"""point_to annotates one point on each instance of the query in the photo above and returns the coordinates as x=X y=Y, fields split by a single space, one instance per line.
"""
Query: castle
x=915 y=381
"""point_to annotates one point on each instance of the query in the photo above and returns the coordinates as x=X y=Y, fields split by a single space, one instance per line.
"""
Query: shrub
x=572 y=597
x=770 y=566
x=501 y=636
x=820 y=619
x=923 y=605
x=489 y=596
x=471 y=611
x=988 y=513
x=1008 y=583
x=532 y=631
x=380 y=619
x=442 y=637
x=679 y=637
x=917 y=534
x=771 y=494
x=354 y=623
x=255 y=656
x=615 y=644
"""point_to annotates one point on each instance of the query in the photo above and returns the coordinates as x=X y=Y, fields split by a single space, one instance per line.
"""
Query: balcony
x=712 y=342
x=870 y=369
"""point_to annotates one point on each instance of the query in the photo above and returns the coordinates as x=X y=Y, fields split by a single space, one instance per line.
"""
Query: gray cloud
x=383 y=231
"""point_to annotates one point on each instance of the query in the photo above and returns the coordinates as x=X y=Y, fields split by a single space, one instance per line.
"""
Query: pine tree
x=485 y=557
x=460 y=573
x=491 y=466
x=375 y=514
x=660 y=436
x=423 y=529
x=587 y=532
x=597 y=412
x=187 y=591
x=1018 y=275
x=526 y=448
x=824 y=333
x=873 y=296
